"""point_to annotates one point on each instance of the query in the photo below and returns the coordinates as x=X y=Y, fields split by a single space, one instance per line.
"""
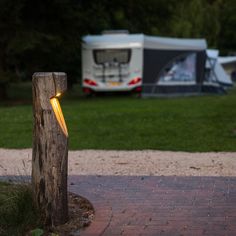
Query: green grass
x=17 y=215
x=205 y=123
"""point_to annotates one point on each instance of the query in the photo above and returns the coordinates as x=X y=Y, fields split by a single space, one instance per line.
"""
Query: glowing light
x=58 y=95
x=59 y=115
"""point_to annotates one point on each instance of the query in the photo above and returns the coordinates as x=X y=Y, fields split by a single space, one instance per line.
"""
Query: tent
x=215 y=73
x=173 y=66
x=229 y=65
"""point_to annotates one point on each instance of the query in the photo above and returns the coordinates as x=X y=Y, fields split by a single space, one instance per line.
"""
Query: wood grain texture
x=50 y=150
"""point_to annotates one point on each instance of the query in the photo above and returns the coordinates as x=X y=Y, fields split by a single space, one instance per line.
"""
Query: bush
x=17 y=213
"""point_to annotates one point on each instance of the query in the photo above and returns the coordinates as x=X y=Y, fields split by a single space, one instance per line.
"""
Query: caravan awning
x=151 y=42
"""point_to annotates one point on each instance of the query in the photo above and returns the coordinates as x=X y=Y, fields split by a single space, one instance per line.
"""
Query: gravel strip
x=147 y=162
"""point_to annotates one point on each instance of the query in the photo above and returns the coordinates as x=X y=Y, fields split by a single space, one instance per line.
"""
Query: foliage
x=38 y=36
x=193 y=124
x=227 y=39
x=37 y=232
x=17 y=215
x=197 y=19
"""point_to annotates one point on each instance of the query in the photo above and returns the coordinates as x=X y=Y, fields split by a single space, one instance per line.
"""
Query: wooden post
x=50 y=148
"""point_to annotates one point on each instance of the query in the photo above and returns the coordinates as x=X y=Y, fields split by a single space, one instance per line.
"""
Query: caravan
x=155 y=66
x=112 y=62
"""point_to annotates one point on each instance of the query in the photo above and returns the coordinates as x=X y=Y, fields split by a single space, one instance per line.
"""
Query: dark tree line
x=45 y=35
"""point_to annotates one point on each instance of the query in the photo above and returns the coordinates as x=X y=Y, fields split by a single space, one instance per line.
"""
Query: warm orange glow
x=59 y=115
x=58 y=95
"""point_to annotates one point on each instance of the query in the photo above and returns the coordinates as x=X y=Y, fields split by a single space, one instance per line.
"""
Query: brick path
x=153 y=206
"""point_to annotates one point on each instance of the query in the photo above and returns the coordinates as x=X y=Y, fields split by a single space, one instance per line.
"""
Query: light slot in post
x=59 y=115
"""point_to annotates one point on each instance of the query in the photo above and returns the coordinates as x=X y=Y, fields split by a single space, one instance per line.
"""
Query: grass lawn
x=204 y=123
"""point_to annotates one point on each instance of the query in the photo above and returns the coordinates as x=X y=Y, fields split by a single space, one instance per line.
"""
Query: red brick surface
x=172 y=206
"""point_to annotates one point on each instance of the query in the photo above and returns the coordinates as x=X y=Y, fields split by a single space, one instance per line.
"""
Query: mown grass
x=203 y=123
x=17 y=214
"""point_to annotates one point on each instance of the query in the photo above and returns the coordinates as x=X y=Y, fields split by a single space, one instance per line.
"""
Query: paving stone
x=159 y=205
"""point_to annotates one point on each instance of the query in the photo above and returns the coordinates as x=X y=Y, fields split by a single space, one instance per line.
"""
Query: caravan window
x=121 y=56
x=181 y=69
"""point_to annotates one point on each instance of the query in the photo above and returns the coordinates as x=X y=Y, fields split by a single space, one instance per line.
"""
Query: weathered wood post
x=50 y=148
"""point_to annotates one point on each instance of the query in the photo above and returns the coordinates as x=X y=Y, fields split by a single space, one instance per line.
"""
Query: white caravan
x=112 y=62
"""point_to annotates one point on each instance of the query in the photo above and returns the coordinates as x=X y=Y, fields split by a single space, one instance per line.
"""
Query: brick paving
x=159 y=205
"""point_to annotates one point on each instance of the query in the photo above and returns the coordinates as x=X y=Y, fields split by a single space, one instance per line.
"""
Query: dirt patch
x=81 y=213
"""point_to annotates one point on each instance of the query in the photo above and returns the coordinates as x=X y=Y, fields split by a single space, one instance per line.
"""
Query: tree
x=34 y=30
x=9 y=23
x=227 y=39
x=212 y=24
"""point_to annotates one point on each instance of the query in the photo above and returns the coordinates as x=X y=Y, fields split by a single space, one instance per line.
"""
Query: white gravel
x=147 y=162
